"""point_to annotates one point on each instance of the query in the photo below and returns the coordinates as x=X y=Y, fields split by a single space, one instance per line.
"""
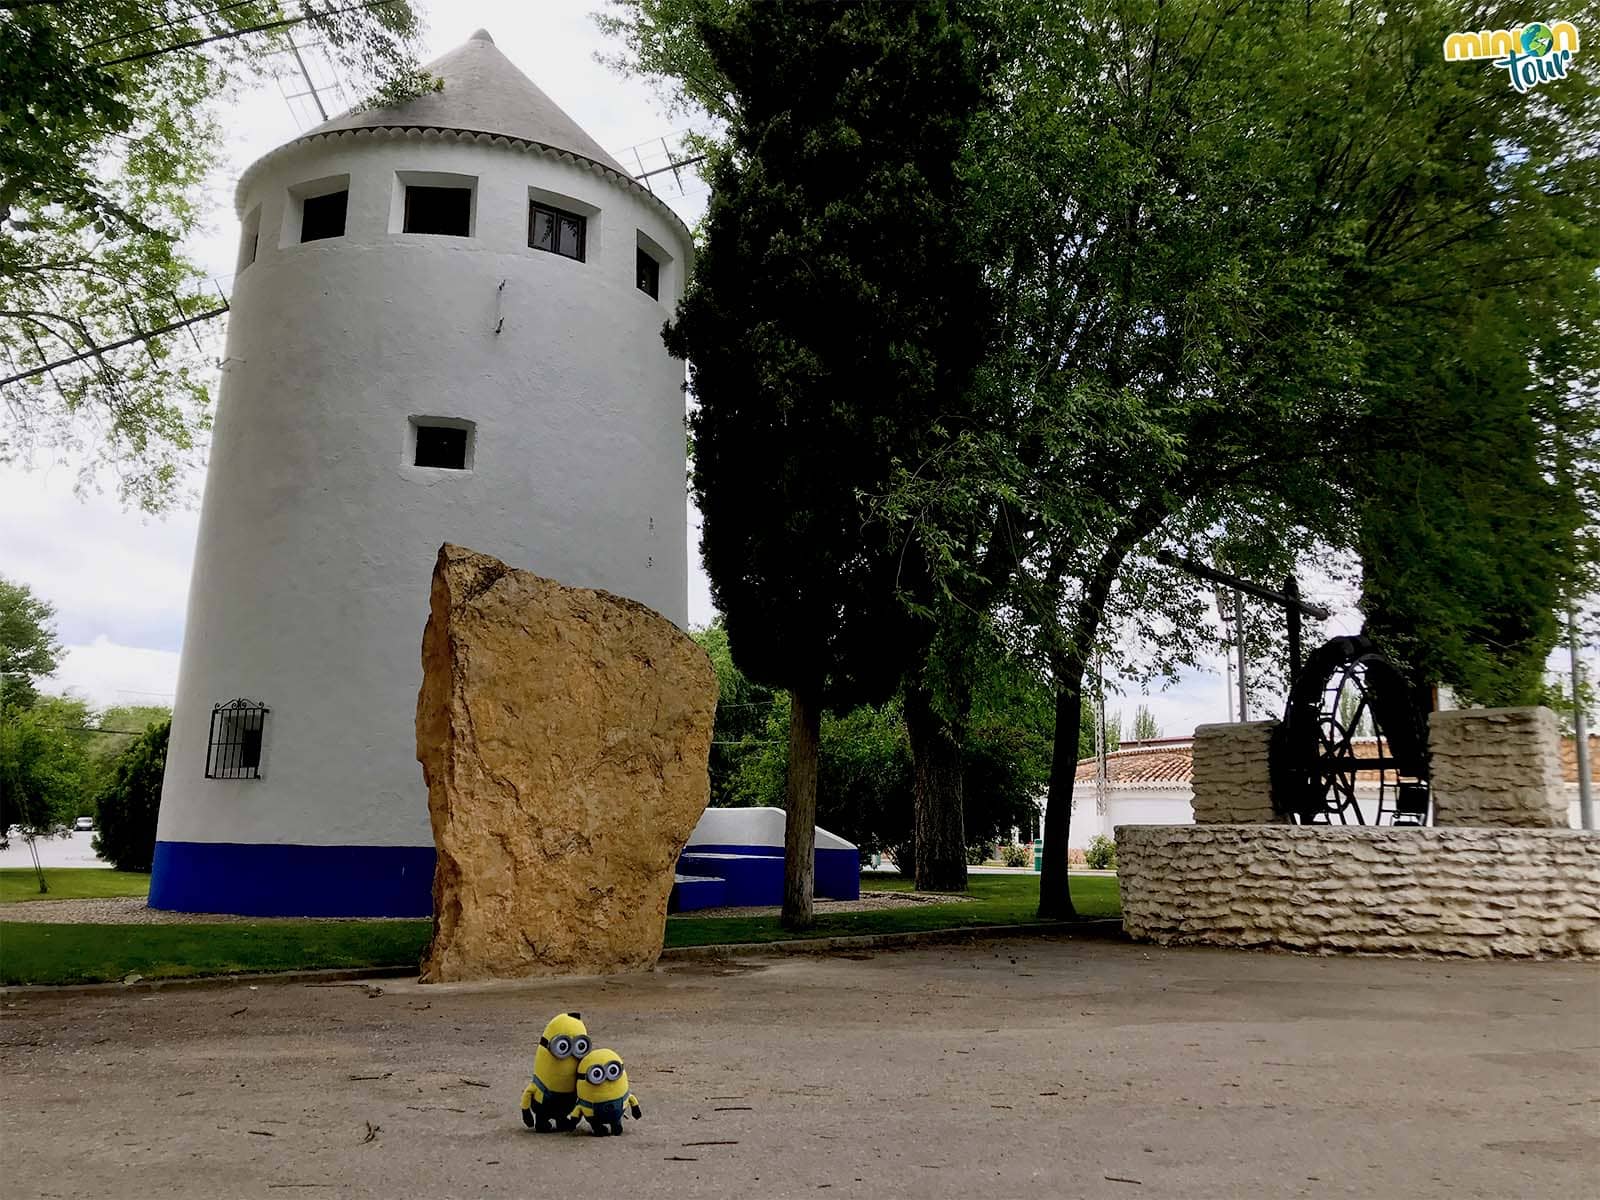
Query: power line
x=195 y=43
x=169 y=23
x=96 y=351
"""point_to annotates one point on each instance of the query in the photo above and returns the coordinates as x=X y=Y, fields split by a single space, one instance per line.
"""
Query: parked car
x=83 y=825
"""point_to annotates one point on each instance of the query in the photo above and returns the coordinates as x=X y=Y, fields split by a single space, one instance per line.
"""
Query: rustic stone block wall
x=1475 y=892
x=1232 y=775
x=1498 y=767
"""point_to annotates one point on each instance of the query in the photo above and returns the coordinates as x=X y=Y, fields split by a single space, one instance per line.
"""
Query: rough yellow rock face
x=563 y=734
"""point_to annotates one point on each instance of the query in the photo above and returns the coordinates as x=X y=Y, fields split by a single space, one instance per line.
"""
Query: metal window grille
x=235 y=748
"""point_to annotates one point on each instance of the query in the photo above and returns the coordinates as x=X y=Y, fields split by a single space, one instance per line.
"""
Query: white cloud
x=105 y=673
x=110 y=573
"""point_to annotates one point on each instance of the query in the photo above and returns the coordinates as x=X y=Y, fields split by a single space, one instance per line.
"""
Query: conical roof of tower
x=483 y=93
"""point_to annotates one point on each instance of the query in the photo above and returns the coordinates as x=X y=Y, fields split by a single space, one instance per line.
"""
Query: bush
x=904 y=857
x=125 y=817
x=979 y=853
x=1101 y=854
x=1017 y=856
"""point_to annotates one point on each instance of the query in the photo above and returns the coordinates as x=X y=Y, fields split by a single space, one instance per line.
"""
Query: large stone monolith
x=563 y=734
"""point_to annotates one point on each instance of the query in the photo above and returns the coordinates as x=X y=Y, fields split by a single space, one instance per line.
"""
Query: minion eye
x=580 y=1047
x=561 y=1047
x=597 y=1074
x=613 y=1070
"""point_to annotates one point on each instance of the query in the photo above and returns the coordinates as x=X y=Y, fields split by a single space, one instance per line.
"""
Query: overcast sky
x=119 y=580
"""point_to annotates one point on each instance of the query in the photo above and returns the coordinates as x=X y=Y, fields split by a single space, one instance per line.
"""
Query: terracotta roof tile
x=1169 y=762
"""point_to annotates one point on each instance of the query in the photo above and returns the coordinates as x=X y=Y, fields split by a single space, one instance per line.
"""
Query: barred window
x=235 y=747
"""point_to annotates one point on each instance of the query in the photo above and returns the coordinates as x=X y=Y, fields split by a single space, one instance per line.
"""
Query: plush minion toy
x=603 y=1093
x=551 y=1093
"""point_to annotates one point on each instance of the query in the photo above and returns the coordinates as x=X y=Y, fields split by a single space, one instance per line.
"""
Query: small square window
x=556 y=230
x=234 y=751
x=649 y=274
x=439 y=210
x=442 y=446
x=323 y=216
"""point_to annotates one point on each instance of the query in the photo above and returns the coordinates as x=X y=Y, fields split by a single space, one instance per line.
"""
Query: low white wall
x=1474 y=892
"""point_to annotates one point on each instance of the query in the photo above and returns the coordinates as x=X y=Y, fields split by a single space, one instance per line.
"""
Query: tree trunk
x=1055 y=897
x=38 y=867
x=800 y=810
x=936 y=775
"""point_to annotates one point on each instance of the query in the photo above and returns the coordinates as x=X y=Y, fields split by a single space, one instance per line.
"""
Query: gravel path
x=869 y=902
x=127 y=910
x=132 y=910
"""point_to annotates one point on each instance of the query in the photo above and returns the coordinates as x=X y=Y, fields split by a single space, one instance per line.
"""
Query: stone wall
x=1497 y=767
x=1232 y=774
x=1473 y=892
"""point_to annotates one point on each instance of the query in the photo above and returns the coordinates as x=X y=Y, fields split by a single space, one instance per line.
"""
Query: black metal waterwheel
x=1346 y=690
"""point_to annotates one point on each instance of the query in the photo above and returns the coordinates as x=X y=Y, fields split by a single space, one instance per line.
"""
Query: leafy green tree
x=742 y=708
x=866 y=784
x=1224 y=254
x=828 y=329
x=129 y=803
x=44 y=771
x=1145 y=727
x=1243 y=256
x=28 y=646
x=106 y=134
x=1473 y=526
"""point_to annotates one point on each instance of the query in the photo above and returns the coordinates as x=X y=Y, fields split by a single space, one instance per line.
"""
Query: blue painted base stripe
x=293 y=881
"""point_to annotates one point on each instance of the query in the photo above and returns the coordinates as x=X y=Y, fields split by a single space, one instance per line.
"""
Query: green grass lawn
x=996 y=900
x=36 y=953
x=33 y=953
x=71 y=883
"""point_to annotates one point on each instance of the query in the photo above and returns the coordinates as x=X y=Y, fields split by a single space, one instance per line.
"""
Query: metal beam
x=1201 y=571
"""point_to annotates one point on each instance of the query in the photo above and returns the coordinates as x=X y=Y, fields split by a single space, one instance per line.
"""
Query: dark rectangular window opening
x=234 y=751
x=441 y=210
x=559 y=232
x=649 y=275
x=323 y=216
x=443 y=446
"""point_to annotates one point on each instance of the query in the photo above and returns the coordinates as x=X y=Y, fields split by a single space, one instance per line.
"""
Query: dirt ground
x=1004 y=1069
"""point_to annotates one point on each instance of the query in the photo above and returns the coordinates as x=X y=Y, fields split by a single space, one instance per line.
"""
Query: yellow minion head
x=565 y=1041
x=601 y=1076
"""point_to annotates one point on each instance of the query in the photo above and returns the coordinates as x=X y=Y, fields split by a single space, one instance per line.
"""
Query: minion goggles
x=566 y=1047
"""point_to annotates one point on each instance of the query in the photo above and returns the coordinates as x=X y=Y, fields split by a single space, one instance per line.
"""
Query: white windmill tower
x=446 y=326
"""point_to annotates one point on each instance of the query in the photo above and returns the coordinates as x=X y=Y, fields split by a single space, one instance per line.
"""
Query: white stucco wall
x=317 y=538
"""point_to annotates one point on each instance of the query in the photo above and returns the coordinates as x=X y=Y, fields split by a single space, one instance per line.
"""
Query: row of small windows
x=446 y=211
